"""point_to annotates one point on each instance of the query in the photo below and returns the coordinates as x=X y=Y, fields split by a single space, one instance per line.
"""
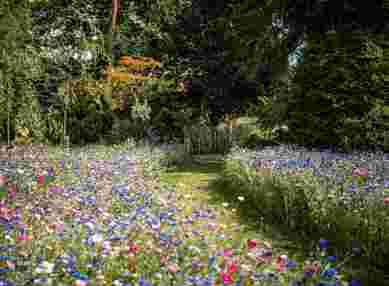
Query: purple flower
x=323 y=244
x=62 y=164
x=354 y=283
x=50 y=172
x=290 y=264
x=331 y=258
x=142 y=282
x=331 y=272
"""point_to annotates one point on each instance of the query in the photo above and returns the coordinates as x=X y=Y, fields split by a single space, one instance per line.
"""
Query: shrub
x=340 y=79
x=259 y=137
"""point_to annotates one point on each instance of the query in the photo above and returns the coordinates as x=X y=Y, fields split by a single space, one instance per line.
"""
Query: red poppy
x=251 y=243
x=40 y=180
x=131 y=247
x=386 y=200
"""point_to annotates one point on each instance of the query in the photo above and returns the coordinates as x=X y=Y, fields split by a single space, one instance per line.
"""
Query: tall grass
x=204 y=139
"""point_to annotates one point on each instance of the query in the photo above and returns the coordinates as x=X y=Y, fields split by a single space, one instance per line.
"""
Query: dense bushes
x=136 y=108
x=342 y=79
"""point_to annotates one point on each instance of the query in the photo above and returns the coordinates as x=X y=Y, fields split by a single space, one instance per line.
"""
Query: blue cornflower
x=291 y=264
x=142 y=282
x=331 y=258
x=5 y=270
x=78 y=275
x=308 y=274
x=323 y=244
x=354 y=283
x=6 y=283
x=50 y=172
x=211 y=260
x=331 y=272
x=351 y=189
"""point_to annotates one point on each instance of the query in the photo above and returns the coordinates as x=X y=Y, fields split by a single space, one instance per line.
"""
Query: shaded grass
x=205 y=176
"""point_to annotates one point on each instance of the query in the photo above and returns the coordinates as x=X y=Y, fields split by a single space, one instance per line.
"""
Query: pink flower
x=23 y=237
x=3 y=180
x=131 y=247
x=280 y=268
x=281 y=263
x=282 y=259
x=212 y=226
x=4 y=211
x=80 y=283
x=172 y=268
x=231 y=268
x=227 y=252
x=163 y=260
x=363 y=172
x=12 y=191
x=386 y=200
x=58 y=227
x=226 y=278
x=312 y=267
x=251 y=243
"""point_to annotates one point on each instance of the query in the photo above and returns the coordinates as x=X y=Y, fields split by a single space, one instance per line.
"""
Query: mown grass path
x=194 y=184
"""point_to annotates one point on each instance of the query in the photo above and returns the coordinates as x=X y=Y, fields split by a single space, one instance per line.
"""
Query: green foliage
x=259 y=137
x=170 y=111
x=369 y=130
x=140 y=114
x=201 y=138
x=94 y=125
x=336 y=83
x=20 y=65
x=54 y=122
x=122 y=129
x=29 y=116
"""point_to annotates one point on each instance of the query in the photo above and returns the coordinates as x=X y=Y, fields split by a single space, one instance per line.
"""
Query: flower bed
x=318 y=194
x=56 y=235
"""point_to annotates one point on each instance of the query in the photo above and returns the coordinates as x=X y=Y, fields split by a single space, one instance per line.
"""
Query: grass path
x=194 y=181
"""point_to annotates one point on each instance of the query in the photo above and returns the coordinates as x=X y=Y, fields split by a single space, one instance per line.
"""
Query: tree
x=343 y=78
x=20 y=66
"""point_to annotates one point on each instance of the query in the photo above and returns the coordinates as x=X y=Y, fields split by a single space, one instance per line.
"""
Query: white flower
x=241 y=198
x=225 y=205
x=159 y=275
x=90 y=225
x=106 y=244
x=46 y=268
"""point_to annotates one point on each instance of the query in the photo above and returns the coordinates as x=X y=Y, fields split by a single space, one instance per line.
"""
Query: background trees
x=231 y=54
